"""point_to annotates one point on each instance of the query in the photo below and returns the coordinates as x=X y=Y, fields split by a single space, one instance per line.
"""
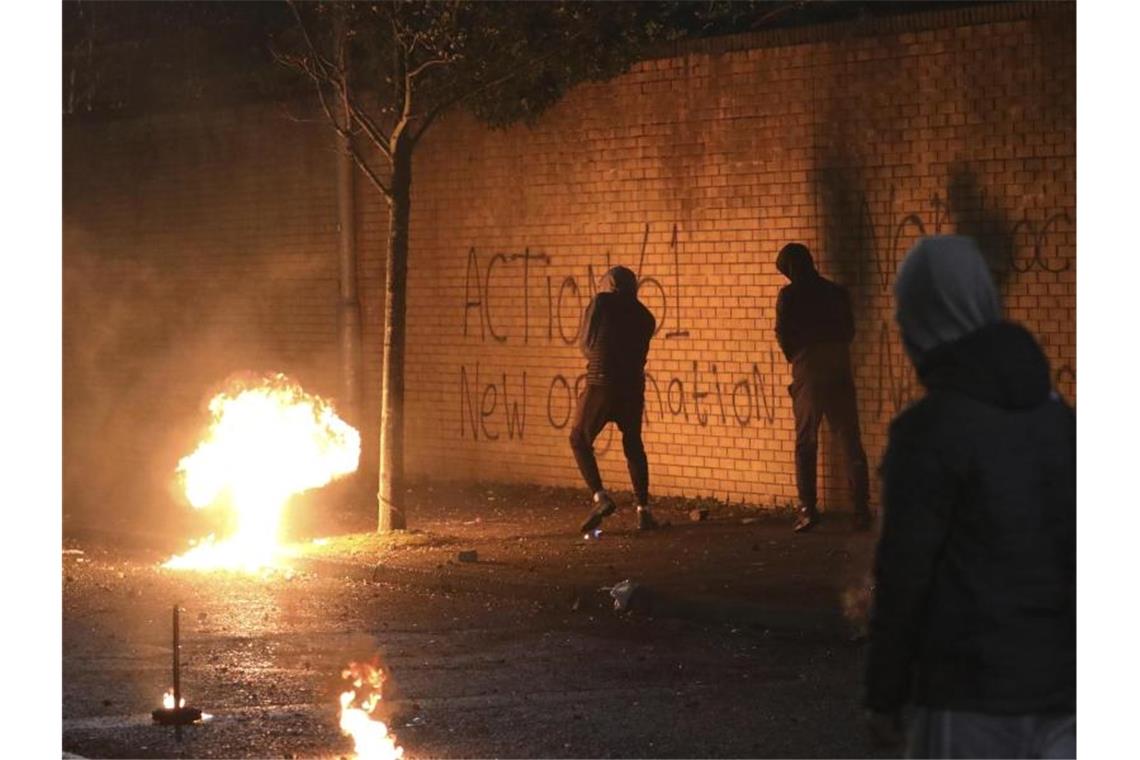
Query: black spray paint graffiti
x=565 y=299
x=477 y=408
x=702 y=395
x=706 y=395
x=1039 y=236
x=744 y=399
x=874 y=253
x=1005 y=248
x=482 y=288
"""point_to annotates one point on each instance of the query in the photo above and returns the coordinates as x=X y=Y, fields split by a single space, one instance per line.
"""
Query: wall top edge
x=998 y=12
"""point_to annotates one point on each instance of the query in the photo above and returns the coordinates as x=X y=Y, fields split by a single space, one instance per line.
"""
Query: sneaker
x=604 y=509
x=807 y=521
x=863 y=521
x=646 y=520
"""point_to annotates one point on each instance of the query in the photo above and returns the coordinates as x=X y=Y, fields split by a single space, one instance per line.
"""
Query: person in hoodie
x=974 y=614
x=615 y=335
x=815 y=327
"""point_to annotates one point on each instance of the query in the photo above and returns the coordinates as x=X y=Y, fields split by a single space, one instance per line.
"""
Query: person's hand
x=885 y=728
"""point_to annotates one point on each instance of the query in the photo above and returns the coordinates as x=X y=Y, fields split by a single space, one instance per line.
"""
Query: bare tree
x=384 y=72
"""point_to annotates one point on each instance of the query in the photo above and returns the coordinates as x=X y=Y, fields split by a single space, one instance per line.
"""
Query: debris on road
x=699 y=515
x=468 y=555
x=623 y=593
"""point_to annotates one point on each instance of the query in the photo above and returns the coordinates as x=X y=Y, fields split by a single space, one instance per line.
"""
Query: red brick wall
x=695 y=169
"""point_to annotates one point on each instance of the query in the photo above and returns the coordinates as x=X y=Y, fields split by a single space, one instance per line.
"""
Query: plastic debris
x=622 y=593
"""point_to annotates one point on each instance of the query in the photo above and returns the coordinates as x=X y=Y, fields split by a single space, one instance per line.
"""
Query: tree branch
x=323 y=72
x=372 y=176
x=434 y=113
x=319 y=80
x=427 y=65
x=361 y=117
x=324 y=64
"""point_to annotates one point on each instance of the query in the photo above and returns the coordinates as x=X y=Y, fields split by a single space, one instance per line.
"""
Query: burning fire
x=267 y=441
x=370 y=737
x=168 y=700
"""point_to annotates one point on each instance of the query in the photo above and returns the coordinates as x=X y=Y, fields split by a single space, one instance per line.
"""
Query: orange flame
x=266 y=442
x=370 y=736
x=168 y=700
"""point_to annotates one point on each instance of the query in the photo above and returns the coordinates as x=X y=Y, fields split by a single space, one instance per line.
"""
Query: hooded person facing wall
x=974 y=615
x=616 y=330
x=815 y=327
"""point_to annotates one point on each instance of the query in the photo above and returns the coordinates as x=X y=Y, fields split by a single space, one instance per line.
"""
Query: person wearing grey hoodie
x=615 y=335
x=973 y=622
x=815 y=327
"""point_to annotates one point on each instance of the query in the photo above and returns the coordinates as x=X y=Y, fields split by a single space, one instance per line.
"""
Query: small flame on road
x=267 y=441
x=168 y=700
x=370 y=736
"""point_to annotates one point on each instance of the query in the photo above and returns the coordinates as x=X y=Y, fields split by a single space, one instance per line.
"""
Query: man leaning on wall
x=974 y=617
x=814 y=327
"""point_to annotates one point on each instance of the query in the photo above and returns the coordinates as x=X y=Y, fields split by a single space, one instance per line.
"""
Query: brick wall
x=198 y=245
x=694 y=169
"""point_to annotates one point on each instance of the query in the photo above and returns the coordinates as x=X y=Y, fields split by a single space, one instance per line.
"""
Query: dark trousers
x=833 y=397
x=598 y=405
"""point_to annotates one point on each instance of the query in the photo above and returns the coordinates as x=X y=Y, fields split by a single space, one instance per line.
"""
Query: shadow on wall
x=848 y=244
x=970 y=214
x=848 y=248
x=145 y=344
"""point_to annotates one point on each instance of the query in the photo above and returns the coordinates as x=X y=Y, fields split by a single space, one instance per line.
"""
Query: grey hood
x=943 y=292
x=619 y=280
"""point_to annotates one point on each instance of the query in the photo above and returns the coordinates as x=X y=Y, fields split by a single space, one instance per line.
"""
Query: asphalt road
x=472 y=674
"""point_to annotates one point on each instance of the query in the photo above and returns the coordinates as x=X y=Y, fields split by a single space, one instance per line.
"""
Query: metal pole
x=350 y=318
x=177 y=685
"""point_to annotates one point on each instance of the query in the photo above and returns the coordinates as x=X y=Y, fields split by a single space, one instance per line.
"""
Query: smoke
x=147 y=342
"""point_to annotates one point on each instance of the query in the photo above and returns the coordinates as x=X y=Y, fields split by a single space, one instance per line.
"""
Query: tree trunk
x=391 y=495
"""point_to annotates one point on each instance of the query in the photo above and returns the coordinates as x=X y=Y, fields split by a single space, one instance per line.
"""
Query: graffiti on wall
x=557 y=316
x=865 y=255
x=493 y=404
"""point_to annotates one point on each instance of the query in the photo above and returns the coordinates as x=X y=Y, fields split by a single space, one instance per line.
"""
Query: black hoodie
x=813 y=314
x=975 y=574
x=615 y=334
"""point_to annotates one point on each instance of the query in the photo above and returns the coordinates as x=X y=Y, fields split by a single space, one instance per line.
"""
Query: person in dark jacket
x=814 y=327
x=616 y=330
x=974 y=614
